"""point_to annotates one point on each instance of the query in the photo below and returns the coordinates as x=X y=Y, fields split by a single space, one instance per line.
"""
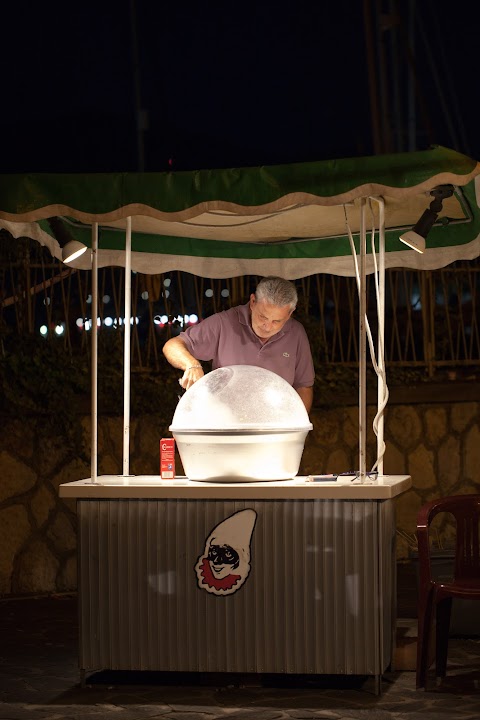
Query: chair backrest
x=466 y=512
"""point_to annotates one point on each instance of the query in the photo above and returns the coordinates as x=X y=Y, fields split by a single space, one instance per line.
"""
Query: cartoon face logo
x=223 y=560
x=224 y=564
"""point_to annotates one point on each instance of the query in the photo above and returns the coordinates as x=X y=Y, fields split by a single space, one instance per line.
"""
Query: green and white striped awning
x=288 y=220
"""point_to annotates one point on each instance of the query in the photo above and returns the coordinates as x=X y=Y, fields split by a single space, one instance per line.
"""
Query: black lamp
x=415 y=238
x=71 y=248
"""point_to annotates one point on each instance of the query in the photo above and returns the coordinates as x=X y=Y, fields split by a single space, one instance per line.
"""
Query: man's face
x=267 y=320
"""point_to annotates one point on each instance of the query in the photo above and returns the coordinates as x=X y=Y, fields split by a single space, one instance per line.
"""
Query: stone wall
x=438 y=444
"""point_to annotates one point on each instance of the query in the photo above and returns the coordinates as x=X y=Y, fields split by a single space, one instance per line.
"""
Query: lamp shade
x=414 y=240
x=72 y=250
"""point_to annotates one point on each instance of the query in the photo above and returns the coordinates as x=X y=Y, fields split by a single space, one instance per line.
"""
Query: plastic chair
x=435 y=596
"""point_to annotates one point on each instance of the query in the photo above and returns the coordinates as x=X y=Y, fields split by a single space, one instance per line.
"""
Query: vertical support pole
x=379 y=603
x=94 y=360
x=126 y=340
x=381 y=389
x=362 y=344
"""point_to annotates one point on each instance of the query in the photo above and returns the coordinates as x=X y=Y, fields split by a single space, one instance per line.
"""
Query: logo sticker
x=224 y=564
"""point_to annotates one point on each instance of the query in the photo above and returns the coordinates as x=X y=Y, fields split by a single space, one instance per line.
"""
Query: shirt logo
x=286 y=355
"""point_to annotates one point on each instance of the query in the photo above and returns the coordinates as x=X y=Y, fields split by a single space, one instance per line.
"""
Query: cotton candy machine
x=238 y=424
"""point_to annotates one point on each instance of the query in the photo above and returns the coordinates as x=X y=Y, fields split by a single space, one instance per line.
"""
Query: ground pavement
x=39 y=680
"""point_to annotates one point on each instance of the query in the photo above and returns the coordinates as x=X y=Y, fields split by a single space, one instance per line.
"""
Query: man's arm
x=177 y=355
x=306 y=393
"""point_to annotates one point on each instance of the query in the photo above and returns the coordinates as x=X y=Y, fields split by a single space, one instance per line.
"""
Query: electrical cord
x=380 y=372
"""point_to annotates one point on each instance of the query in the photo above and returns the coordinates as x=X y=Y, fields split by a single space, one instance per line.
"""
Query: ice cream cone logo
x=224 y=564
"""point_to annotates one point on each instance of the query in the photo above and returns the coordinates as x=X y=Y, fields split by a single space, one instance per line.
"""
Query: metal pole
x=126 y=359
x=381 y=335
x=94 y=361
x=362 y=381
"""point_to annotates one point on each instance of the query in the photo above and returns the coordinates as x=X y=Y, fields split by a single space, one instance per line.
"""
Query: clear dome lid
x=240 y=398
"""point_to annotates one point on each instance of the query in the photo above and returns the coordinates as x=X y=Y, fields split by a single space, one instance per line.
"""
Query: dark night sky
x=222 y=84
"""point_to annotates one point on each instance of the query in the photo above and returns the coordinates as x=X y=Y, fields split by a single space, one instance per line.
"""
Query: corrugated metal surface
x=318 y=599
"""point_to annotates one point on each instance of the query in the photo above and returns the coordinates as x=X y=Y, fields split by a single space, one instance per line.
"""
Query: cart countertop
x=299 y=488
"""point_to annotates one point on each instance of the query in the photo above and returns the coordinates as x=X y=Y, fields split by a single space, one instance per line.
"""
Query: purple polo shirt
x=227 y=338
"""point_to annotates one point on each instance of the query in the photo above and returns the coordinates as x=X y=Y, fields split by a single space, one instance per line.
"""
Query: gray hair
x=277 y=291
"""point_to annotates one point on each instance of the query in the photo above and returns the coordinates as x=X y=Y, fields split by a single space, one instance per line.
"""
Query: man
x=260 y=333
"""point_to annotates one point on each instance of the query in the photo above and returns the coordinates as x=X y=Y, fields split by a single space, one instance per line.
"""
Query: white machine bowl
x=240 y=424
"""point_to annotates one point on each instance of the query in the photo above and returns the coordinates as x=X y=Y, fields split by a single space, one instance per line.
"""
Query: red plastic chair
x=435 y=597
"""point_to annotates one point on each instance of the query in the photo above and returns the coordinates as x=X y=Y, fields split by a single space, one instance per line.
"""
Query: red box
x=167 y=458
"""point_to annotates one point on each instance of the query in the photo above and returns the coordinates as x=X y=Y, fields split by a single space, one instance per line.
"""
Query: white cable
x=381 y=371
x=378 y=371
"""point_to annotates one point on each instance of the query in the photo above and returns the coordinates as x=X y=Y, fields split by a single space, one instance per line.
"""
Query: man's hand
x=177 y=355
x=190 y=376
